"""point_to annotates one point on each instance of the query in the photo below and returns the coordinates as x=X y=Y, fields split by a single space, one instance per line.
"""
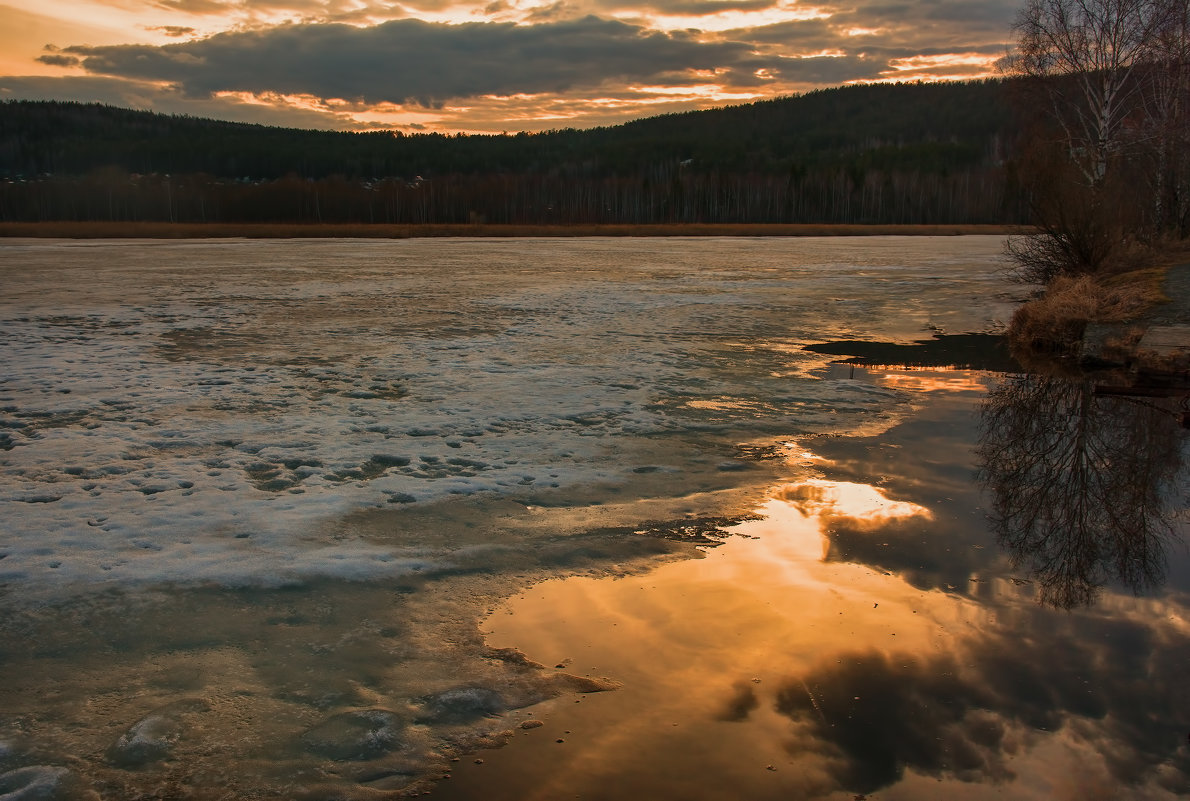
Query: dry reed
x=154 y=230
x=1055 y=322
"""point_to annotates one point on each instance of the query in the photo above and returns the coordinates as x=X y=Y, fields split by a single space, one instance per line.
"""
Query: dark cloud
x=741 y=704
x=998 y=12
x=412 y=61
x=177 y=31
x=877 y=715
x=828 y=70
x=815 y=34
x=548 y=13
x=57 y=60
x=942 y=25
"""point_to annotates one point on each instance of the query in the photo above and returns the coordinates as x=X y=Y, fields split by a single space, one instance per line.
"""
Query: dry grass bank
x=1056 y=323
x=129 y=230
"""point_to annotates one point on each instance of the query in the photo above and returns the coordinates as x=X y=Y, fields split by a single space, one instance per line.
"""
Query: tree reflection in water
x=1083 y=485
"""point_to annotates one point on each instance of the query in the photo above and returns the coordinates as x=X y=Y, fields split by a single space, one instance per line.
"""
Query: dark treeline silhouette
x=903 y=153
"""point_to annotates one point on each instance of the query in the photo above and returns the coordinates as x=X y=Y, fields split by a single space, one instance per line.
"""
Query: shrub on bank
x=1054 y=323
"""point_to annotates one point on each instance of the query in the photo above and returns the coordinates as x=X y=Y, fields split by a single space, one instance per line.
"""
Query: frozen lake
x=332 y=519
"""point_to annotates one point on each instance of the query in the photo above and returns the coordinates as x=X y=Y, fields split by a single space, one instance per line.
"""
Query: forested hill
x=877 y=153
x=919 y=126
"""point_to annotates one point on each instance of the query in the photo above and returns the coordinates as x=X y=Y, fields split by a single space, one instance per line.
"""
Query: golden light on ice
x=931 y=380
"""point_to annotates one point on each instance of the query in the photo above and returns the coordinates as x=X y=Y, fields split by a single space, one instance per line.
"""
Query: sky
x=475 y=67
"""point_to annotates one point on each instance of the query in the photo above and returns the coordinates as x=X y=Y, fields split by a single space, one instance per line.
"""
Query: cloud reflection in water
x=725 y=633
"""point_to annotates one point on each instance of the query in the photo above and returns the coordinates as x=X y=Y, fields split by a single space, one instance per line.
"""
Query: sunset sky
x=455 y=65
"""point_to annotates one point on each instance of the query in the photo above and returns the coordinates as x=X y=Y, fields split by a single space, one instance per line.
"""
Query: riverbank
x=1155 y=341
x=157 y=230
x=1164 y=344
x=1134 y=319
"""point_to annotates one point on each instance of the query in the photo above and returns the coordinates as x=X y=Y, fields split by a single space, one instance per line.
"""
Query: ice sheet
x=258 y=495
x=204 y=411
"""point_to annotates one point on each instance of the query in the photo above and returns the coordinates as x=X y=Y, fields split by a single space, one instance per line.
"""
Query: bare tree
x=1084 y=54
x=1167 y=112
x=1108 y=77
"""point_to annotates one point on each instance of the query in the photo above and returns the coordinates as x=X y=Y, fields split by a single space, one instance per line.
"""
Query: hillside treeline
x=904 y=153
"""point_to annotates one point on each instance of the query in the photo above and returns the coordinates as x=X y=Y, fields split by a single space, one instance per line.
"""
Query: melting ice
x=258 y=495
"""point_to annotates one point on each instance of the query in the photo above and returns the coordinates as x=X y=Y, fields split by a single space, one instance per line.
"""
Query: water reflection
x=1083 y=484
x=879 y=714
x=863 y=505
x=790 y=675
x=1068 y=715
x=863 y=636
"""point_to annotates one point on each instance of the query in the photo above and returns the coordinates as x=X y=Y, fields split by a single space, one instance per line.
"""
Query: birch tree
x=1109 y=79
x=1085 y=54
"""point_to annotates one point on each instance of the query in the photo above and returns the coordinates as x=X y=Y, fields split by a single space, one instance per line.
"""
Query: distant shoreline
x=153 y=230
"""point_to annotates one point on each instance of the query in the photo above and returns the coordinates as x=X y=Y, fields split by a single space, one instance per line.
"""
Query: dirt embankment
x=1156 y=341
x=1176 y=311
